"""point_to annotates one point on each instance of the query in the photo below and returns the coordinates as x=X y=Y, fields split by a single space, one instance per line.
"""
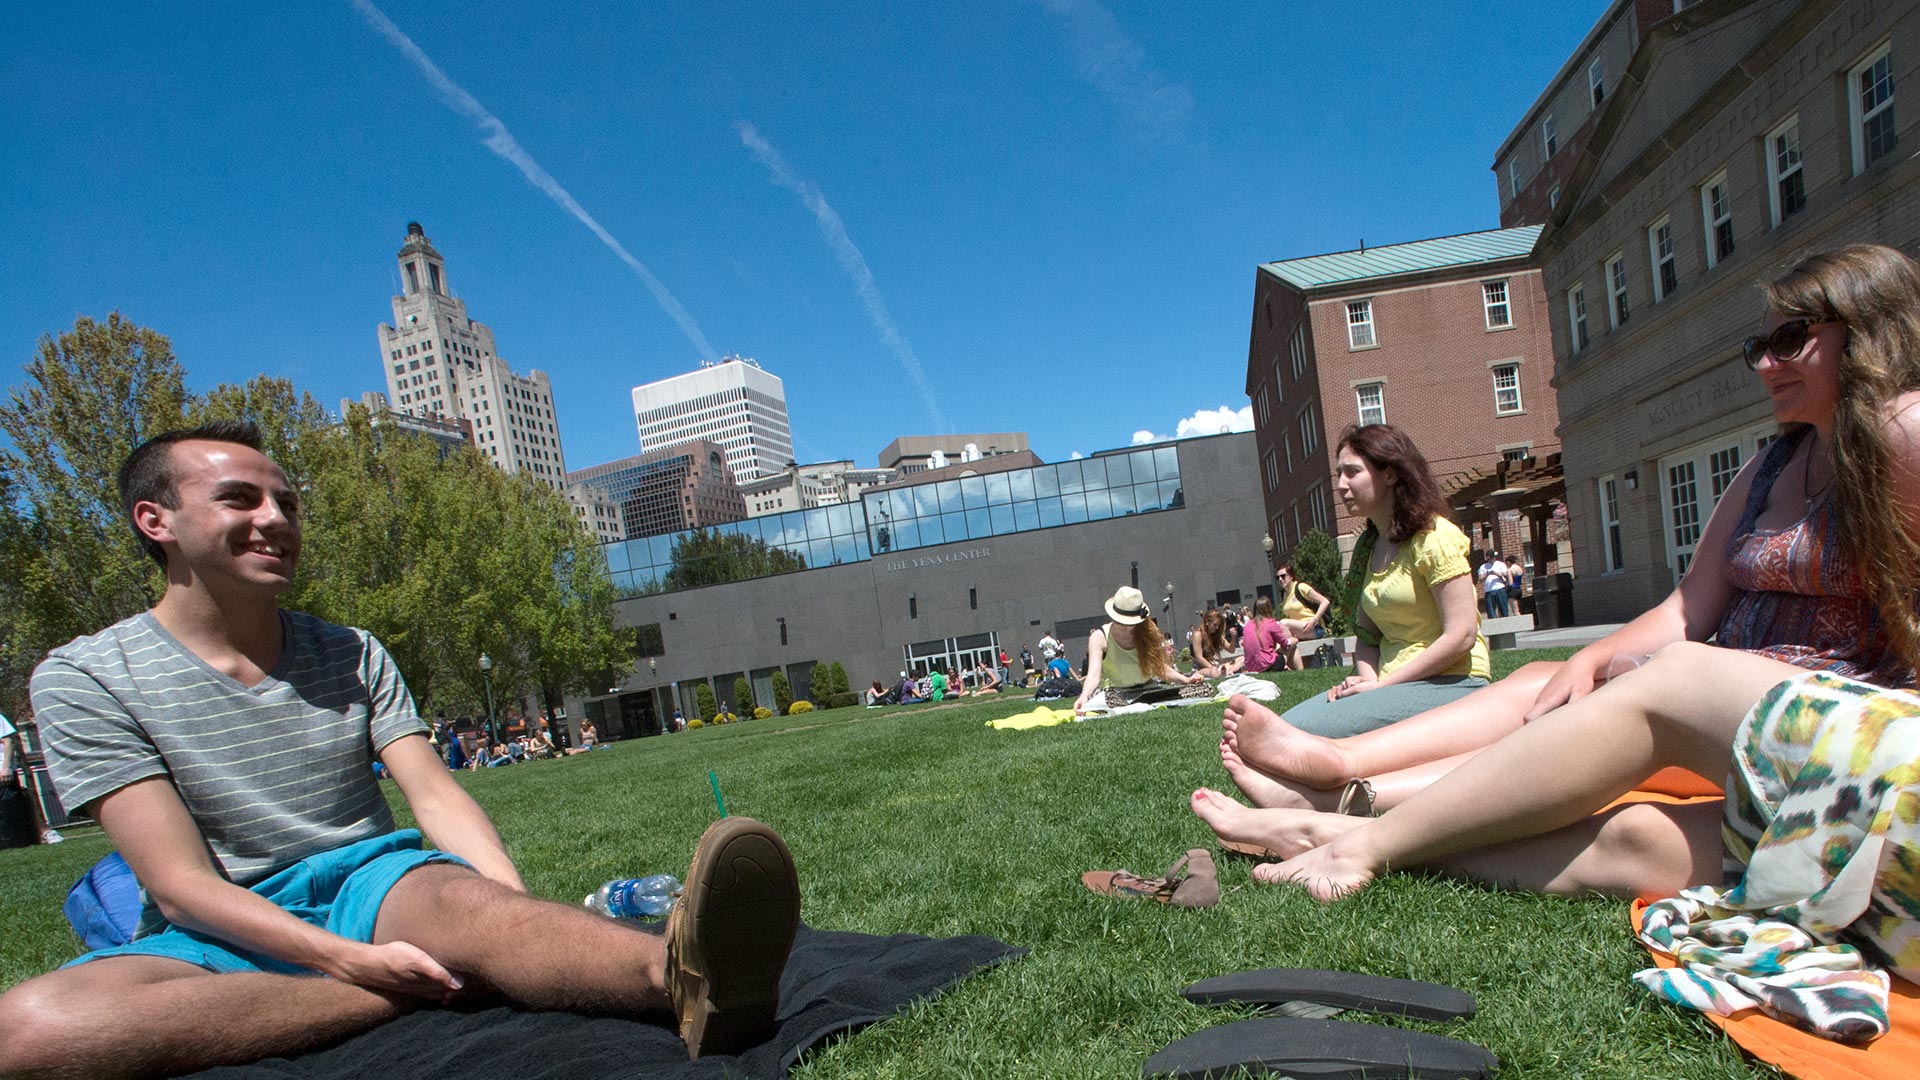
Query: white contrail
x=854 y=263
x=1117 y=66
x=501 y=141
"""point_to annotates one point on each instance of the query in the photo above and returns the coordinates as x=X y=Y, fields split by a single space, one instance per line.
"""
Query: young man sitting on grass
x=225 y=746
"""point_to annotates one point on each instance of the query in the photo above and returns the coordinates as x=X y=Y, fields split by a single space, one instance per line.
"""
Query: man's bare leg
x=1268 y=743
x=169 y=1016
x=1683 y=708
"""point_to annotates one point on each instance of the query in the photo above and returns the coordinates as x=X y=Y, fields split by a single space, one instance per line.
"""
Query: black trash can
x=1553 y=601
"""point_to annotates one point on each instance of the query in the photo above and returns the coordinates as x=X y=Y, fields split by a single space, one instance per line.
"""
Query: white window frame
x=1778 y=176
x=1309 y=432
x=1297 y=350
x=1612 y=545
x=1509 y=368
x=1260 y=406
x=1662 y=257
x=1553 y=196
x=1714 y=214
x=1317 y=508
x=1857 y=112
x=1579 y=334
x=1364 y=309
x=1597 y=82
x=1613 y=273
x=1279 y=386
x=1513 y=176
x=1286 y=447
x=1272 y=470
x=1377 y=390
x=1504 y=304
x=1709 y=468
x=1549 y=139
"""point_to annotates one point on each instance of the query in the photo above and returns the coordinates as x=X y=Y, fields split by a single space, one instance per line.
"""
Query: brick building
x=1446 y=339
x=1743 y=135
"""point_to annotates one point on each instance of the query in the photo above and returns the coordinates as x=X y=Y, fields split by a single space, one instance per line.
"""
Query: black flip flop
x=1319 y=1050
x=1311 y=992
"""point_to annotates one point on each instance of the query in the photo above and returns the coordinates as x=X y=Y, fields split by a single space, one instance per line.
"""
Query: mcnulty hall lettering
x=935 y=560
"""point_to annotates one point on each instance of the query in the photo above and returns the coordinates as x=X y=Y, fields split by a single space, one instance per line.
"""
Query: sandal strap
x=1356 y=799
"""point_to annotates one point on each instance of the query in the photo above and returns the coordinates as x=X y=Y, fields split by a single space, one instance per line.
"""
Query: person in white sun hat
x=1128 y=650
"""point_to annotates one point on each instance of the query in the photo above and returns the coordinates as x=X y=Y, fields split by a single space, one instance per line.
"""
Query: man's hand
x=396 y=967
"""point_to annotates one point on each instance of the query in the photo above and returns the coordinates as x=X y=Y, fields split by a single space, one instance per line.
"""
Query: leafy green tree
x=742 y=695
x=704 y=700
x=839 y=675
x=820 y=685
x=782 y=693
x=1316 y=561
x=69 y=563
x=709 y=557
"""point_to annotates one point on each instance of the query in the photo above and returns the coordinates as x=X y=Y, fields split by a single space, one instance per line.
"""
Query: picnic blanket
x=1040 y=716
x=835 y=982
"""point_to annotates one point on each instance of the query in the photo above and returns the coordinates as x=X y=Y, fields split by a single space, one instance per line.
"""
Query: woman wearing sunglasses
x=1808 y=563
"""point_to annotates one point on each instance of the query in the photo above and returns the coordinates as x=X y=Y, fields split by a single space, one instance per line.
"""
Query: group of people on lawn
x=1804 y=578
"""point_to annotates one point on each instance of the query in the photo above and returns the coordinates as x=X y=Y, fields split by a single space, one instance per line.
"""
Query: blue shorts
x=340 y=890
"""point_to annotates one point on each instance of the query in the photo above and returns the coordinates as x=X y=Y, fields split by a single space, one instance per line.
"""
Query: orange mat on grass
x=1802 y=1054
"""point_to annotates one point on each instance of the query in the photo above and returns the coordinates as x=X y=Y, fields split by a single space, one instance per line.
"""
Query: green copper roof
x=1467 y=249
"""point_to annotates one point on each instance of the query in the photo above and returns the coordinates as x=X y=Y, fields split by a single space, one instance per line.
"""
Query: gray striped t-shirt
x=272 y=773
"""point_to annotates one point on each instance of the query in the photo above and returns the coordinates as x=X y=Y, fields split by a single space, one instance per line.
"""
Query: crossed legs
x=1535 y=791
x=170 y=1016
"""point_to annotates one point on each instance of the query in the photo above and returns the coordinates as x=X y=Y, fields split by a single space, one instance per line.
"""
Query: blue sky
x=1052 y=210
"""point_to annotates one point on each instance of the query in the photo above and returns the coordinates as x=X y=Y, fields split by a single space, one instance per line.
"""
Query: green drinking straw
x=717 y=800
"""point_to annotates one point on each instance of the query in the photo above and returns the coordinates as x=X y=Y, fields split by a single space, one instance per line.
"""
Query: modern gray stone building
x=937 y=574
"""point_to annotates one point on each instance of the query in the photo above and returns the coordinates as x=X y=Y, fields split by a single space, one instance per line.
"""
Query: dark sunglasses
x=1785 y=344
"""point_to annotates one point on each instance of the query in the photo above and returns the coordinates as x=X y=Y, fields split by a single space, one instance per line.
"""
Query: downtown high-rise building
x=442 y=365
x=732 y=402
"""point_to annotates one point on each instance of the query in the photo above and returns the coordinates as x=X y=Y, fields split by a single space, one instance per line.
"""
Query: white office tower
x=731 y=401
x=442 y=365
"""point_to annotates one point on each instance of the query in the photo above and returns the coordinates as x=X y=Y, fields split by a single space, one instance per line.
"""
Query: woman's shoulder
x=1440 y=535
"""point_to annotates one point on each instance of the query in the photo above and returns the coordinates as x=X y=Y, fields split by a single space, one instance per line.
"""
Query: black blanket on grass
x=835 y=982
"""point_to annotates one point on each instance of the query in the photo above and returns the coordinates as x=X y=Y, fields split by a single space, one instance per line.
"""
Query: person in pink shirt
x=1264 y=639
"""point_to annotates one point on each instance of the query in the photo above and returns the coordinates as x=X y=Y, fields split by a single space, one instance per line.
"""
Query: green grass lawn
x=920 y=819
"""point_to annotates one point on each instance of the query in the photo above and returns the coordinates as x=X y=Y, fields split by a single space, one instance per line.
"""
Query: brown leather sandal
x=1191 y=882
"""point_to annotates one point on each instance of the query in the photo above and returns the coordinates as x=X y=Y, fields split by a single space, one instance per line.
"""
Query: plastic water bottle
x=636 y=898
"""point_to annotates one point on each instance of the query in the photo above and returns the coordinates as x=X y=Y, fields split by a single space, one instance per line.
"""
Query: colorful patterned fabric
x=1823 y=844
x=1801 y=600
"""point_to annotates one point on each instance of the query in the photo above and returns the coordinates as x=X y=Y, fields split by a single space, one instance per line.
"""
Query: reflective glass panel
x=1122 y=500
x=660 y=548
x=926 y=501
x=979 y=523
x=1073 y=508
x=617 y=557
x=1119 y=474
x=883 y=537
x=1166 y=462
x=1002 y=520
x=1169 y=492
x=949 y=496
x=1095 y=472
x=1046 y=481
x=1146 y=497
x=998 y=491
x=906 y=534
x=817 y=524
x=1026 y=516
x=973 y=491
x=844 y=550
x=1050 y=513
x=860 y=548
x=954 y=525
x=1098 y=508
x=1069 y=477
x=840 y=520
x=1142 y=465
x=900 y=503
x=930 y=531
x=1021 y=481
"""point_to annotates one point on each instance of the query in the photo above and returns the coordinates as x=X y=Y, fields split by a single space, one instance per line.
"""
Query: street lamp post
x=486 y=669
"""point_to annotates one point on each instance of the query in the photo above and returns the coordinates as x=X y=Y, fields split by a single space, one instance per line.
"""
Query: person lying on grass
x=225 y=746
x=1788 y=567
x=1127 y=651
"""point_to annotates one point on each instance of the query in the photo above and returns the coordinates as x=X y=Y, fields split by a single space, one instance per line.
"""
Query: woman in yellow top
x=1300 y=613
x=1419 y=629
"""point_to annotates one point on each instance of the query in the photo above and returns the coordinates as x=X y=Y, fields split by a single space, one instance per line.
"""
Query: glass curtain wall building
x=902 y=519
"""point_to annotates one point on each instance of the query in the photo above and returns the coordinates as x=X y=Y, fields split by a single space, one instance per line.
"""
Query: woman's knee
x=1650 y=850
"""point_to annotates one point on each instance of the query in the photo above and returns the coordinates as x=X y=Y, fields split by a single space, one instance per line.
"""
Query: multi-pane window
x=1553 y=196
x=1597 y=82
x=1309 y=430
x=1273 y=470
x=1616 y=277
x=1493 y=294
x=1506 y=389
x=1722 y=467
x=1786 y=180
x=1279 y=388
x=1372 y=400
x=1513 y=177
x=1317 y=506
x=1870 y=108
x=1260 y=405
x=1666 y=276
x=1716 y=218
x=1577 y=334
x=1360 y=324
x=1610 y=539
x=1548 y=138
x=1683 y=500
x=1517 y=454
x=1297 y=350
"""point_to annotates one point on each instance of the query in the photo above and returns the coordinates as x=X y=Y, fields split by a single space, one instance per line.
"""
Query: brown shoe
x=729 y=936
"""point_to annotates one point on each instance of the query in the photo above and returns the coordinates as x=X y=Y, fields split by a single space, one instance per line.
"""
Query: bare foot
x=1285 y=833
x=1279 y=749
x=1266 y=792
x=1326 y=874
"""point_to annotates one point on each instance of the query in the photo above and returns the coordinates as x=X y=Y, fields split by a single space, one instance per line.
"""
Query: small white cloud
x=1075 y=456
x=1143 y=437
x=1205 y=422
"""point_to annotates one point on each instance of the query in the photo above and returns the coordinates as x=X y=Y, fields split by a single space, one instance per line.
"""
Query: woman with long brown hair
x=1213 y=657
x=1127 y=651
x=1411 y=585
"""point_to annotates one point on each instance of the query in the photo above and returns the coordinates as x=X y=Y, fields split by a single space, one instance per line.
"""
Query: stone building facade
x=1745 y=135
x=732 y=402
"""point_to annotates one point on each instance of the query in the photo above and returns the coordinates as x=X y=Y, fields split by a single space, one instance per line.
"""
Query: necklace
x=1806 y=476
